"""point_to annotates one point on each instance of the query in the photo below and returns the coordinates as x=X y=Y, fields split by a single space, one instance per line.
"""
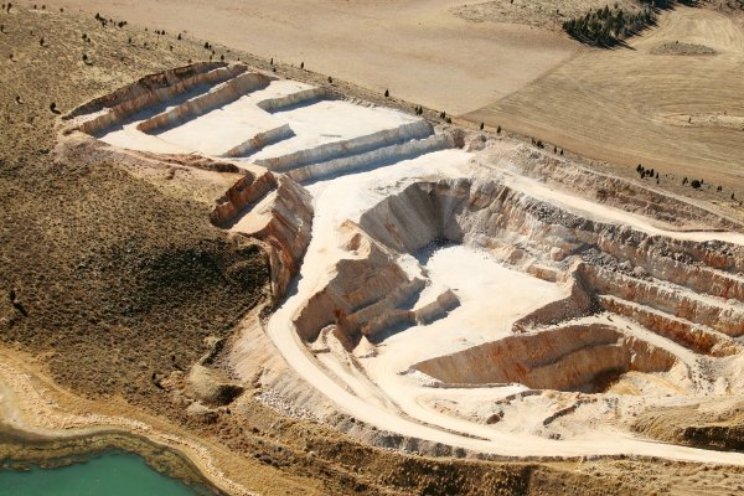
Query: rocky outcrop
x=220 y=95
x=368 y=295
x=211 y=387
x=364 y=295
x=260 y=140
x=151 y=91
x=336 y=149
x=368 y=160
x=718 y=425
x=241 y=195
x=698 y=338
x=621 y=193
x=285 y=233
x=569 y=358
x=147 y=84
x=579 y=302
x=720 y=315
x=283 y=226
x=303 y=97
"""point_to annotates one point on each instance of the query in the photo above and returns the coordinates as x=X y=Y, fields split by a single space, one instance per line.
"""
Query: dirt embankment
x=710 y=426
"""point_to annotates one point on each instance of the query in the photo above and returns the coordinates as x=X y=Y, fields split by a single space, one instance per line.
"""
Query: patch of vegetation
x=110 y=278
x=607 y=27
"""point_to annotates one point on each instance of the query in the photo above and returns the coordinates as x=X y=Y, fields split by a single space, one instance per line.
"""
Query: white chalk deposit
x=505 y=301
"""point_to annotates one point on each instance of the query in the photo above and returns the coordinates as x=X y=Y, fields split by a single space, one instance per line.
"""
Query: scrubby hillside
x=114 y=280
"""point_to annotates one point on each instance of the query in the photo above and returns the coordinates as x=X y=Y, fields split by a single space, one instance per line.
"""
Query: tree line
x=606 y=27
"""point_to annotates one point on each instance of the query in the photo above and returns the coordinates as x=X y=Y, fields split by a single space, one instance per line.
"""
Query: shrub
x=606 y=27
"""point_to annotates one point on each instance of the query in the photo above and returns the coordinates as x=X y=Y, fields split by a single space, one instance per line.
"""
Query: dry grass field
x=416 y=48
x=679 y=113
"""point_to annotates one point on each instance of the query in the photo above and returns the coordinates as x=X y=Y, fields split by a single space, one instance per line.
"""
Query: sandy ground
x=680 y=114
x=417 y=49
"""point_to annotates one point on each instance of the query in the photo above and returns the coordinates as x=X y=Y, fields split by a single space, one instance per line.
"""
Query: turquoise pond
x=111 y=474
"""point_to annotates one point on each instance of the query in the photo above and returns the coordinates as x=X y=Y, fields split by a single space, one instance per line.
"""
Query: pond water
x=110 y=474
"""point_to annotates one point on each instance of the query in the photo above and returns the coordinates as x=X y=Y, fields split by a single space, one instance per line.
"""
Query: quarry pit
x=448 y=285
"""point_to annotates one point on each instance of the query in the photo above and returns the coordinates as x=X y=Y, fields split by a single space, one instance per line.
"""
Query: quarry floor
x=492 y=296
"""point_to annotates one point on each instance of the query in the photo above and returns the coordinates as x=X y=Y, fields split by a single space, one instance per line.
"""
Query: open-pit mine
x=459 y=291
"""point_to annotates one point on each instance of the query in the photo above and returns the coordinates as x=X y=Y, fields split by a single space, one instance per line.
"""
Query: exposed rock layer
x=568 y=358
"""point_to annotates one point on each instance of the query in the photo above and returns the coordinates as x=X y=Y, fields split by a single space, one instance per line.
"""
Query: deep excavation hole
x=583 y=358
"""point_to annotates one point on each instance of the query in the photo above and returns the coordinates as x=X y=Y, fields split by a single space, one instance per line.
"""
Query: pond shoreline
x=20 y=450
x=41 y=422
